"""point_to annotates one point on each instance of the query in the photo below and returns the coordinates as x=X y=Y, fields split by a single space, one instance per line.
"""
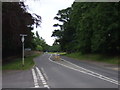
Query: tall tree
x=15 y=21
x=90 y=28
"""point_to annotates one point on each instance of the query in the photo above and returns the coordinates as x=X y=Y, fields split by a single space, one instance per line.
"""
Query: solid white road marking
x=35 y=79
x=89 y=71
x=42 y=78
x=86 y=71
x=46 y=78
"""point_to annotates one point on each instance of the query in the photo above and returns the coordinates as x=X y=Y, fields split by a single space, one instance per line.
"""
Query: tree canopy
x=89 y=27
x=15 y=21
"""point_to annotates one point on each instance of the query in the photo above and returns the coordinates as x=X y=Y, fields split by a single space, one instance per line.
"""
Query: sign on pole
x=22 y=39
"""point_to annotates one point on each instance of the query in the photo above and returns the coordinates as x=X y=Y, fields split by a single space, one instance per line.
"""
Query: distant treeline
x=89 y=27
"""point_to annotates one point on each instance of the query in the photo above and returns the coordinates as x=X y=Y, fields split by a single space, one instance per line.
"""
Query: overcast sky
x=47 y=9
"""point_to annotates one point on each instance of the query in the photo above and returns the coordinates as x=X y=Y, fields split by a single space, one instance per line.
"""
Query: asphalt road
x=66 y=73
x=17 y=79
x=60 y=76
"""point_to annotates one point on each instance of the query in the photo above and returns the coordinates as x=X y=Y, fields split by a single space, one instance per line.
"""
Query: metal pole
x=22 y=39
x=23 y=55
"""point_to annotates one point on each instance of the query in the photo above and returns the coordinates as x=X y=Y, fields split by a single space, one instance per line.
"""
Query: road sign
x=22 y=39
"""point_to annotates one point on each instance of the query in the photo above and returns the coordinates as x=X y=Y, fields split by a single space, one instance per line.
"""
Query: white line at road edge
x=86 y=71
x=35 y=79
x=42 y=78
x=91 y=72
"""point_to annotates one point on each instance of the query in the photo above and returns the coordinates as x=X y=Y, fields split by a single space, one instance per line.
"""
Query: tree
x=55 y=47
x=89 y=28
x=39 y=48
x=15 y=21
x=39 y=42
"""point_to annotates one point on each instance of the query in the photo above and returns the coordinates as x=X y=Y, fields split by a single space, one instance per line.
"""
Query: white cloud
x=47 y=10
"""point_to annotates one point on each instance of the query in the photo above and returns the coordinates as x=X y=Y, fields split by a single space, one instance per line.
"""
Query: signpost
x=22 y=39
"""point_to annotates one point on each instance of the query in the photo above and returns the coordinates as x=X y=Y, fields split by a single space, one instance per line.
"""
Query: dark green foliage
x=15 y=21
x=39 y=43
x=55 y=47
x=89 y=28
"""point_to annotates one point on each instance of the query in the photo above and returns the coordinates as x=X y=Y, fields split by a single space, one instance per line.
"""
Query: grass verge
x=96 y=57
x=17 y=64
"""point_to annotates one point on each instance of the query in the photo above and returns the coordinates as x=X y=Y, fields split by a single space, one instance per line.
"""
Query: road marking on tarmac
x=42 y=78
x=86 y=71
x=44 y=74
x=35 y=79
x=94 y=74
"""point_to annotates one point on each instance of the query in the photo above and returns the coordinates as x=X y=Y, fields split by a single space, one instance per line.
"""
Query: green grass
x=96 y=57
x=17 y=64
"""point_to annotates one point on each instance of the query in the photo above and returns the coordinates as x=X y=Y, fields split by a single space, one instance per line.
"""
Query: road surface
x=64 y=73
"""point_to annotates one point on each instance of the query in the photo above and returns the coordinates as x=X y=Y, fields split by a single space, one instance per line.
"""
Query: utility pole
x=23 y=39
